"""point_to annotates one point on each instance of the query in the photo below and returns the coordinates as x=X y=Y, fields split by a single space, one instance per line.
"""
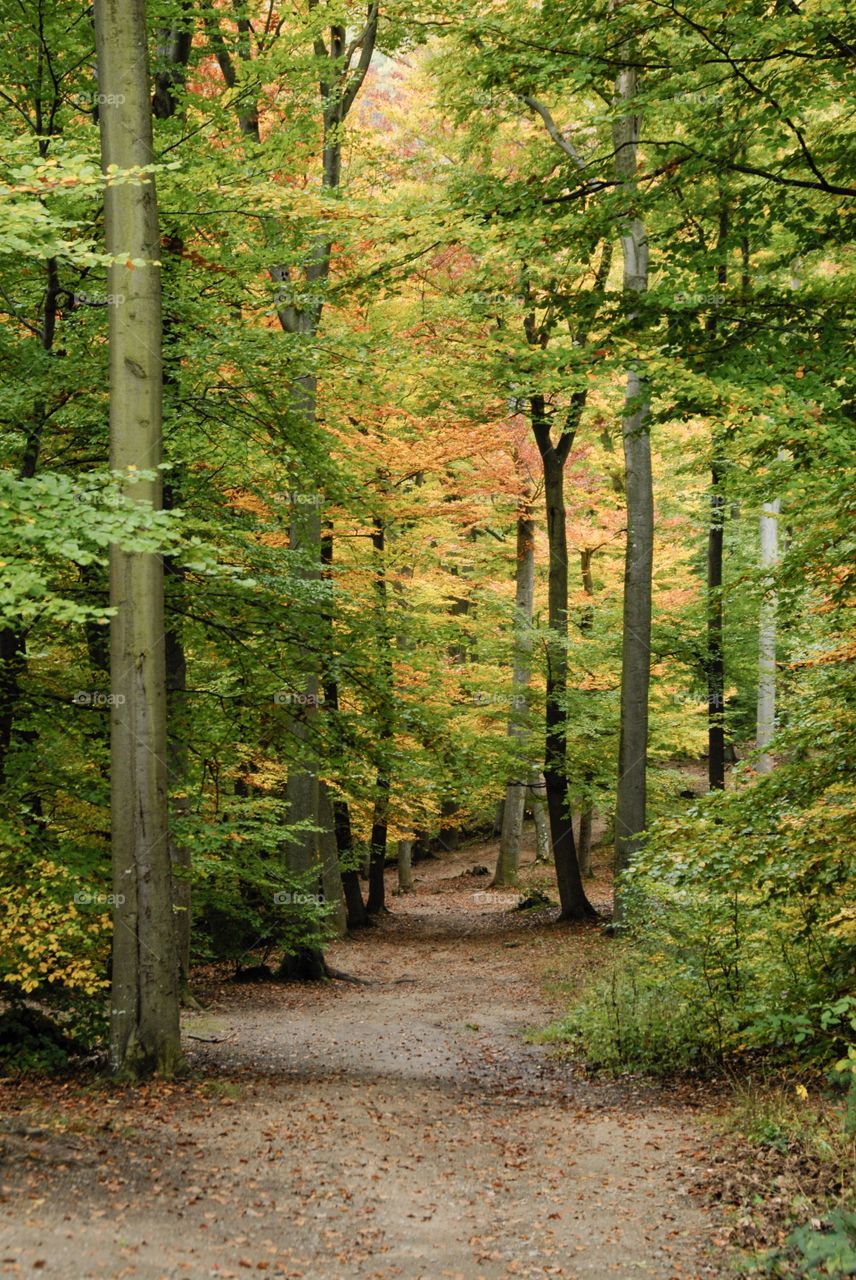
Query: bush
x=740 y=927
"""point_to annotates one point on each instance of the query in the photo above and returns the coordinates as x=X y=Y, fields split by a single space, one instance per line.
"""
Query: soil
x=398 y=1128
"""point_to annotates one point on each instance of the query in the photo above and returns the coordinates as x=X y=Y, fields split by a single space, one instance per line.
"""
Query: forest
x=427 y=569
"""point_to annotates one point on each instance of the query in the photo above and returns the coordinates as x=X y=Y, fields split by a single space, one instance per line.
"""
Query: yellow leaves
x=802 y=1092
x=44 y=939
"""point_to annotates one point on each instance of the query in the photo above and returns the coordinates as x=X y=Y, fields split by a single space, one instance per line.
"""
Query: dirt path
x=400 y=1129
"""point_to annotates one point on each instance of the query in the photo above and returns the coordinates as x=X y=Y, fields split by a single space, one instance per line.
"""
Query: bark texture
x=767 y=637
x=631 y=800
x=145 y=999
x=508 y=860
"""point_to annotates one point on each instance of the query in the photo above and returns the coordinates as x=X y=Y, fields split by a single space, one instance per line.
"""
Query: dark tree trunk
x=574 y=903
x=715 y=655
x=357 y=916
x=377 y=857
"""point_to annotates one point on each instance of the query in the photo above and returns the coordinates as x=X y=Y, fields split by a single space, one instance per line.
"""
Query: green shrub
x=739 y=928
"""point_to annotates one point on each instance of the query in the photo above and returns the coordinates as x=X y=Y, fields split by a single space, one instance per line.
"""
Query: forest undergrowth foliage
x=740 y=934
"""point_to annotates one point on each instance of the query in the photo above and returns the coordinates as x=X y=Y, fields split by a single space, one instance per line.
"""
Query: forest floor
x=394 y=1129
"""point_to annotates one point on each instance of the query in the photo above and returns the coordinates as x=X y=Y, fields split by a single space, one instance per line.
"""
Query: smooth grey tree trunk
x=586 y=624
x=537 y=795
x=144 y=1032
x=508 y=861
x=630 y=817
x=766 y=721
x=405 y=866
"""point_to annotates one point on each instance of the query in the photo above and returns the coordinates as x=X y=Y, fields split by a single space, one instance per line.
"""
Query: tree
x=766 y=720
x=515 y=789
x=630 y=812
x=145 y=1036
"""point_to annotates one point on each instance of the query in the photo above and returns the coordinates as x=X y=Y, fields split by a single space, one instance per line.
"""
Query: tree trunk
x=572 y=896
x=767 y=637
x=176 y=759
x=357 y=916
x=584 y=843
x=537 y=795
x=715 y=653
x=331 y=878
x=715 y=548
x=339 y=89
x=377 y=855
x=144 y=1035
x=13 y=641
x=586 y=624
x=631 y=807
x=173 y=52
x=405 y=866
x=377 y=849
x=515 y=791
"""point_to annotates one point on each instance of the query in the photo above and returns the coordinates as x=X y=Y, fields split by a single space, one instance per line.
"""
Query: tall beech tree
x=145 y=997
x=631 y=799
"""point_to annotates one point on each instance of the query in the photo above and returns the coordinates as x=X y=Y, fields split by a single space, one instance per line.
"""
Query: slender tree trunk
x=586 y=624
x=340 y=84
x=572 y=896
x=13 y=640
x=715 y=652
x=631 y=802
x=405 y=866
x=377 y=849
x=515 y=791
x=145 y=999
x=715 y=549
x=767 y=637
x=173 y=49
x=302 y=851
x=357 y=916
x=176 y=759
x=377 y=855
x=331 y=877
x=537 y=795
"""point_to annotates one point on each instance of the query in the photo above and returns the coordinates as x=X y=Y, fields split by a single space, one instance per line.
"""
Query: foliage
x=740 y=936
